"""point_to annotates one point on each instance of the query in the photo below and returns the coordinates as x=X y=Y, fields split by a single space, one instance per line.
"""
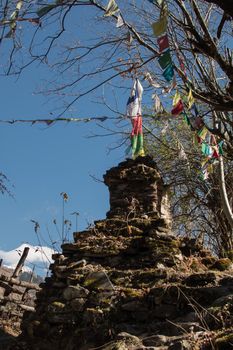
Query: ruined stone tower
x=125 y=283
x=137 y=190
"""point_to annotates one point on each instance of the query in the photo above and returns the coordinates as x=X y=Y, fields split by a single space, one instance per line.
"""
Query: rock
x=155 y=340
x=78 y=304
x=98 y=280
x=129 y=339
x=228 y=299
x=181 y=345
x=73 y=292
x=200 y=279
x=137 y=290
x=222 y=264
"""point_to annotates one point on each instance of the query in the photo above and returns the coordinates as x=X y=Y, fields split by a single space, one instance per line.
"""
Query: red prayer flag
x=178 y=108
x=163 y=43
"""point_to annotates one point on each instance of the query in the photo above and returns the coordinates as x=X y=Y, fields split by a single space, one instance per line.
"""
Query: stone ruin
x=16 y=297
x=128 y=283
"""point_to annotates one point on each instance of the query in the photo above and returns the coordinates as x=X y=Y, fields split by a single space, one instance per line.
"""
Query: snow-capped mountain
x=40 y=257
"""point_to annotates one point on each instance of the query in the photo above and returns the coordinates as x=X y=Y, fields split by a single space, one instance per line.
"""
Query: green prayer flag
x=220 y=147
x=186 y=118
x=165 y=59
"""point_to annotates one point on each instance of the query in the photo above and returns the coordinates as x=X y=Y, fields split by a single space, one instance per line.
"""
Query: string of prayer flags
x=134 y=107
x=178 y=106
x=51 y=121
x=160 y=32
x=111 y=8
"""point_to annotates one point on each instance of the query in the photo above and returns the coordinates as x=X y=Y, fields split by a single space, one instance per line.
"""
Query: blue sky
x=42 y=162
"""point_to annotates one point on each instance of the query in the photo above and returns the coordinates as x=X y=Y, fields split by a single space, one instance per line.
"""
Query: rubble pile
x=129 y=283
x=16 y=297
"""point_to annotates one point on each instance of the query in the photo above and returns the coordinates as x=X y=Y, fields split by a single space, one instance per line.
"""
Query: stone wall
x=128 y=283
x=137 y=189
x=16 y=297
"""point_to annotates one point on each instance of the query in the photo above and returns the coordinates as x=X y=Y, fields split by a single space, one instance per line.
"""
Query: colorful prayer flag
x=163 y=43
x=168 y=73
x=137 y=137
x=111 y=8
x=134 y=101
x=165 y=59
x=177 y=103
x=160 y=26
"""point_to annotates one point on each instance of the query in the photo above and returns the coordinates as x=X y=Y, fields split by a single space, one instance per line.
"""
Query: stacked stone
x=15 y=297
x=129 y=283
x=137 y=189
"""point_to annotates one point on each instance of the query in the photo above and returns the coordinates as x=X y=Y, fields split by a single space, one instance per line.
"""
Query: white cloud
x=38 y=256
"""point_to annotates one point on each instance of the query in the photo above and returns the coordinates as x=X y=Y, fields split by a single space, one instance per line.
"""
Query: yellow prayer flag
x=160 y=26
x=190 y=99
x=111 y=9
x=203 y=132
x=176 y=98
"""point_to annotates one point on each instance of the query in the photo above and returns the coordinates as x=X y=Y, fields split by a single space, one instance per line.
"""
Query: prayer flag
x=165 y=59
x=168 y=73
x=202 y=133
x=176 y=98
x=163 y=43
x=196 y=122
x=155 y=2
x=182 y=155
x=111 y=9
x=137 y=137
x=186 y=118
x=206 y=149
x=220 y=148
x=120 y=21
x=134 y=101
x=190 y=99
x=178 y=108
x=160 y=26
x=157 y=104
x=151 y=80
